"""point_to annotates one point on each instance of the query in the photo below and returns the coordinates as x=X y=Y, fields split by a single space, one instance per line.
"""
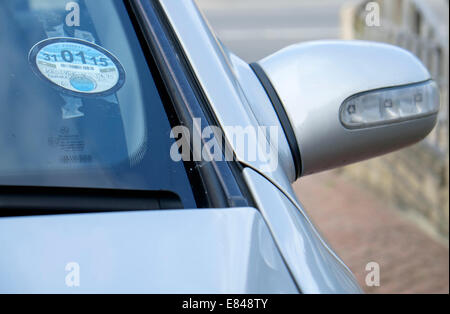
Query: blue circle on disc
x=82 y=83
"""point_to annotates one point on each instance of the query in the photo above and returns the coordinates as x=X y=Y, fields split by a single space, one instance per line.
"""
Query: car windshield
x=78 y=104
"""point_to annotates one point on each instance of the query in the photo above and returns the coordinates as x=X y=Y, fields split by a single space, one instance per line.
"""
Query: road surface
x=254 y=29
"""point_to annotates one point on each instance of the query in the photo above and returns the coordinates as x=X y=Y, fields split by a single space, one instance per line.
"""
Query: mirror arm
x=282 y=116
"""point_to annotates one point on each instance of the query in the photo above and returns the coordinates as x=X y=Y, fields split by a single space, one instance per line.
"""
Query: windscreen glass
x=78 y=104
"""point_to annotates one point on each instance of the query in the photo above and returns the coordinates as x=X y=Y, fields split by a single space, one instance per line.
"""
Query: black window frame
x=222 y=181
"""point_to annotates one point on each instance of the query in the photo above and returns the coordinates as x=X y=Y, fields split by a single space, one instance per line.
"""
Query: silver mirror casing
x=313 y=80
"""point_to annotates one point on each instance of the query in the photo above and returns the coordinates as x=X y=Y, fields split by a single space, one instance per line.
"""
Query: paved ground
x=363 y=228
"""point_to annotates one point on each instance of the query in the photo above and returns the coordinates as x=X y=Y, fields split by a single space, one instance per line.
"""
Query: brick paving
x=363 y=228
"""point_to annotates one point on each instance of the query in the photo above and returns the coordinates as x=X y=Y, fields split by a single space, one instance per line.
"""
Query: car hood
x=170 y=251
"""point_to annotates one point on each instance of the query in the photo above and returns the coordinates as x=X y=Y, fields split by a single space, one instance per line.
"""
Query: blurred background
x=392 y=210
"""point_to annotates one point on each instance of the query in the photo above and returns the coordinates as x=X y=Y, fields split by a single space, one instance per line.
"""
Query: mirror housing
x=342 y=102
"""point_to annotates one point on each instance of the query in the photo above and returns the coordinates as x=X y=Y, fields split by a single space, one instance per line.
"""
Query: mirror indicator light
x=390 y=105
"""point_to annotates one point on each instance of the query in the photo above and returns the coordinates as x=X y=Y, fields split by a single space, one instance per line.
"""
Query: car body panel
x=314 y=265
x=171 y=251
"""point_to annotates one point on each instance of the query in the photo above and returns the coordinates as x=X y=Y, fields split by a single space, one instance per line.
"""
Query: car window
x=78 y=104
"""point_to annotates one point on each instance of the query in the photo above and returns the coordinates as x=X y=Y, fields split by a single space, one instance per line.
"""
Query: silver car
x=139 y=155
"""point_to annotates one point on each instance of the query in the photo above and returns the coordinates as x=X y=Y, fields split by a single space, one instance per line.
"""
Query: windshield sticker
x=77 y=67
x=70 y=109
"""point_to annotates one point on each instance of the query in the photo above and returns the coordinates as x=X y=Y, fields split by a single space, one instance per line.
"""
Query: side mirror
x=341 y=102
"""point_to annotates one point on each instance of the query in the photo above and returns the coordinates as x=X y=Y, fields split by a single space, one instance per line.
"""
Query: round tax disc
x=77 y=67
